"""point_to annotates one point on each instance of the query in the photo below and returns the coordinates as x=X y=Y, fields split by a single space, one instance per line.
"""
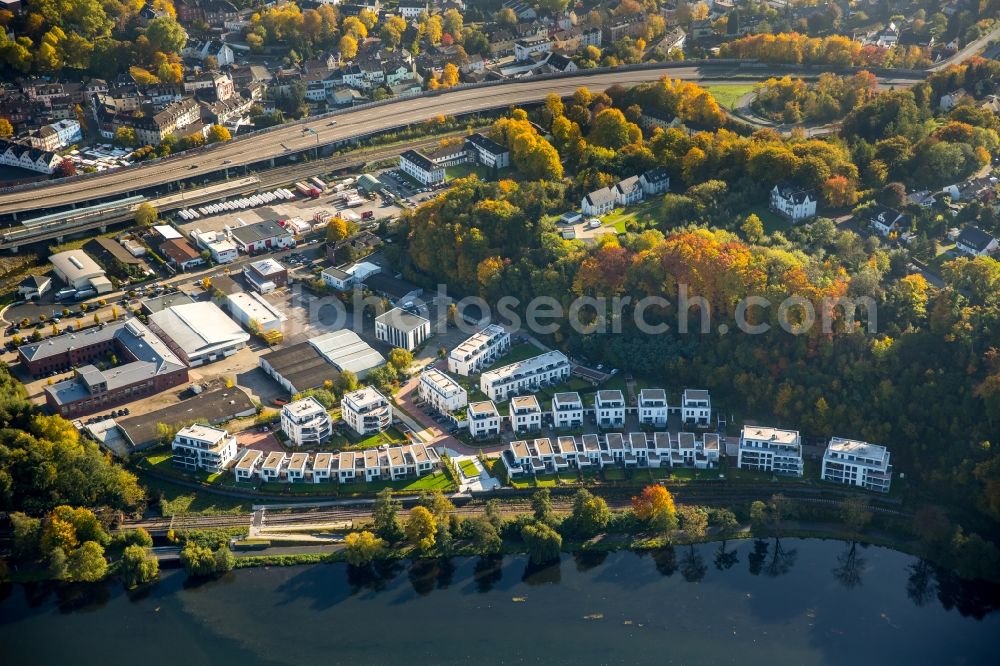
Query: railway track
x=291 y=517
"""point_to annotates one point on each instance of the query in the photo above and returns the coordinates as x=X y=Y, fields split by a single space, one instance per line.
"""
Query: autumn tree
x=137 y=567
x=348 y=47
x=166 y=35
x=218 y=134
x=6 y=129
x=421 y=529
x=400 y=359
x=752 y=228
x=360 y=548
x=590 y=513
x=146 y=215
x=839 y=192
x=655 y=506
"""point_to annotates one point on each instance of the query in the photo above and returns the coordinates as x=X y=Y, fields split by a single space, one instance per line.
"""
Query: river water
x=747 y=602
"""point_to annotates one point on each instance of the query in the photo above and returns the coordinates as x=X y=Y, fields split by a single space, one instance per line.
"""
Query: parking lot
x=304 y=208
x=407 y=188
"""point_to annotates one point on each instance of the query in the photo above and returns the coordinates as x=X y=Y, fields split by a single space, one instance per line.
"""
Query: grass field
x=177 y=500
x=391 y=435
x=469 y=469
x=772 y=221
x=726 y=94
x=643 y=214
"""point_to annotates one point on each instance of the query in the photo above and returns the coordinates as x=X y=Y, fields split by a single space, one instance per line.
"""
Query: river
x=749 y=602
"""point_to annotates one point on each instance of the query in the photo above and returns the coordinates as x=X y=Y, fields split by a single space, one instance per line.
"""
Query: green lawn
x=643 y=214
x=517 y=352
x=436 y=481
x=726 y=94
x=463 y=170
x=176 y=500
x=772 y=221
x=392 y=435
x=546 y=480
x=469 y=469
x=160 y=460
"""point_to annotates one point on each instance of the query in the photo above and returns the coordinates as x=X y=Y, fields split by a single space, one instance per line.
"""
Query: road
x=305 y=134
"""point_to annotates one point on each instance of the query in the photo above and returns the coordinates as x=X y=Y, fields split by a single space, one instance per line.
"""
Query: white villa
x=483 y=419
x=567 y=410
x=696 y=407
x=525 y=413
x=653 y=407
x=610 y=409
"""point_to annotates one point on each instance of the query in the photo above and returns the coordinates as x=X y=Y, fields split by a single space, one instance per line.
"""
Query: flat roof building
x=530 y=374
x=402 y=328
x=441 y=392
x=366 y=411
x=253 y=311
x=306 y=422
x=856 y=463
x=770 y=450
x=199 y=332
x=479 y=350
x=202 y=447
x=345 y=350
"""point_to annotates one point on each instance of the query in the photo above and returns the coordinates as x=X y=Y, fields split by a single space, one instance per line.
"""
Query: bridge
x=260 y=149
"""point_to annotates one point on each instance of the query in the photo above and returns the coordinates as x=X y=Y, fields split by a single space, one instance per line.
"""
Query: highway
x=311 y=132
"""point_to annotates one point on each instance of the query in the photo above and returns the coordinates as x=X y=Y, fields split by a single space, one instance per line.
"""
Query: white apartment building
x=857 y=463
x=202 y=447
x=610 y=409
x=525 y=413
x=653 y=407
x=770 y=450
x=273 y=466
x=366 y=411
x=567 y=410
x=479 y=350
x=421 y=168
x=441 y=391
x=306 y=422
x=525 y=376
x=402 y=328
x=484 y=419
x=696 y=407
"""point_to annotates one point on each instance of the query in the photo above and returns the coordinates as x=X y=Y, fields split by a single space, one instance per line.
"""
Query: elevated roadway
x=347 y=126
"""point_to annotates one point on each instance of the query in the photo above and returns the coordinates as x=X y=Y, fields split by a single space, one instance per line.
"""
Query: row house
x=483 y=419
x=26 y=157
x=567 y=410
x=479 y=350
x=389 y=463
x=857 y=463
x=774 y=450
x=441 y=392
x=529 y=374
x=525 y=413
x=635 y=450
